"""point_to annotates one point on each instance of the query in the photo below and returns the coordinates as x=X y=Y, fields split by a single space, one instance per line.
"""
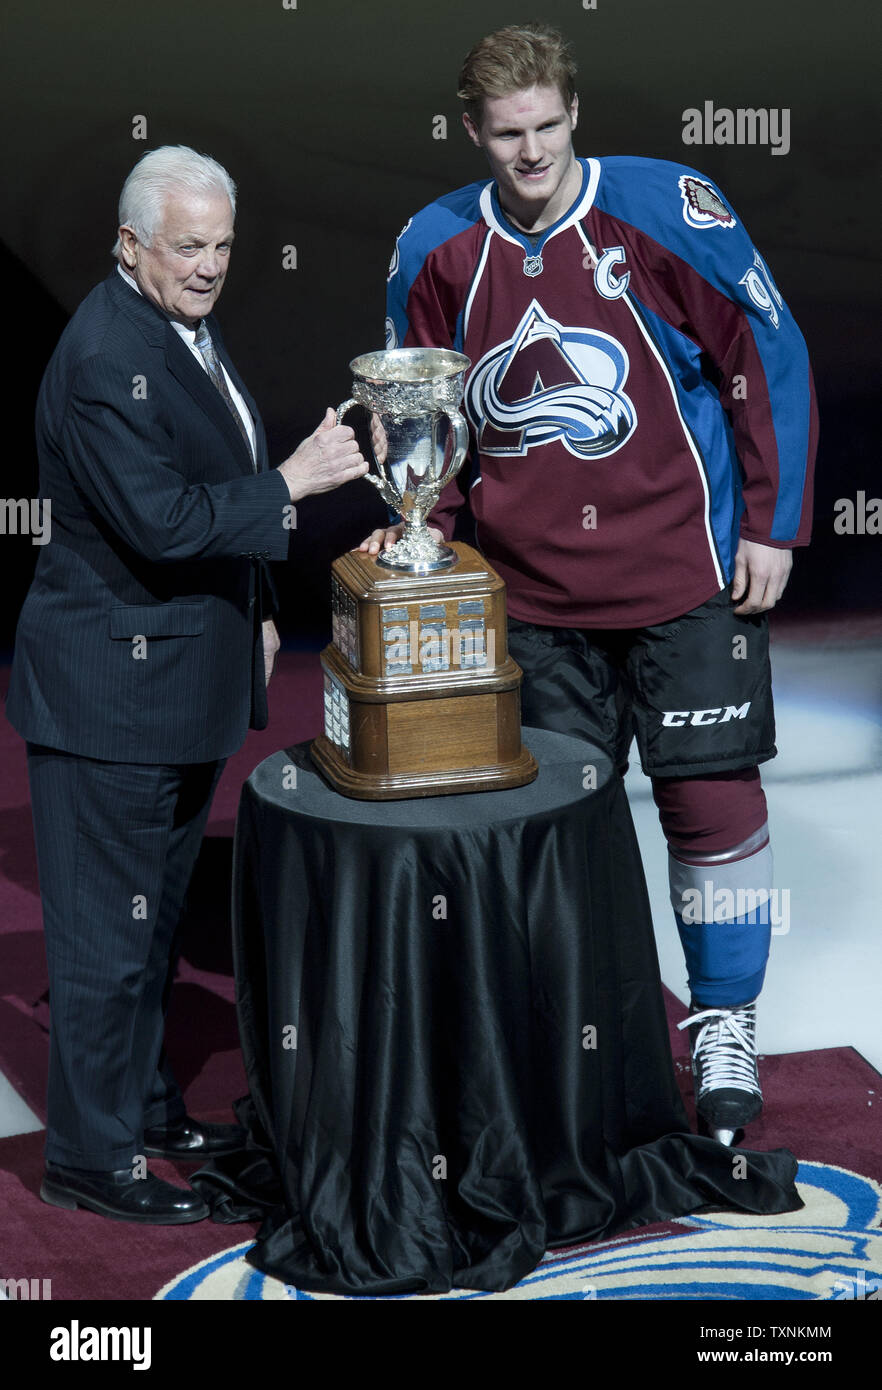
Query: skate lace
x=725 y=1049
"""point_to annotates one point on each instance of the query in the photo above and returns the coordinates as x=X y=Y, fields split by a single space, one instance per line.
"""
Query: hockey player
x=643 y=432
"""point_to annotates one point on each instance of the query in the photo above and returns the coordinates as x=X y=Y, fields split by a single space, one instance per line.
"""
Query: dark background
x=324 y=115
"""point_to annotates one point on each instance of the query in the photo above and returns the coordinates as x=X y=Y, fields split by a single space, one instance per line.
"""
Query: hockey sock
x=722 y=904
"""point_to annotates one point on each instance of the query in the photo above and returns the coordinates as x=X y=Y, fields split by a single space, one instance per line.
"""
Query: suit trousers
x=116 y=847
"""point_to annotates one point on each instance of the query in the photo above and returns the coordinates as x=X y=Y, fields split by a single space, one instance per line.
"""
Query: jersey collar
x=496 y=219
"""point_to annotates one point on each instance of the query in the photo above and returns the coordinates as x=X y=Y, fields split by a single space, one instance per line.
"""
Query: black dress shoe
x=121 y=1197
x=193 y=1139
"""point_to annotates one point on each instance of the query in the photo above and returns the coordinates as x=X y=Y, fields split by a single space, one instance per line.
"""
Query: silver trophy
x=419 y=437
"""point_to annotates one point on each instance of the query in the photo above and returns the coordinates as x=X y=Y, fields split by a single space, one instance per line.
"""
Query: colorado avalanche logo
x=702 y=204
x=396 y=254
x=549 y=382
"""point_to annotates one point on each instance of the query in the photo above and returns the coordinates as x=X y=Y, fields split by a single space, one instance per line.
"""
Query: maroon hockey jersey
x=639 y=395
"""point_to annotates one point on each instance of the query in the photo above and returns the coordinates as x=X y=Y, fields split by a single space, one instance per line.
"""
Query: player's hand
x=761 y=574
x=329 y=457
x=382 y=539
x=271 y=645
x=385 y=537
x=379 y=442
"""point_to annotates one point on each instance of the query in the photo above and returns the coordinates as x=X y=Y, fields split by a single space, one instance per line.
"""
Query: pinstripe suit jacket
x=159 y=530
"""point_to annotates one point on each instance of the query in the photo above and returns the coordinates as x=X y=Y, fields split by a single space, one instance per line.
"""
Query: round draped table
x=454 y=1033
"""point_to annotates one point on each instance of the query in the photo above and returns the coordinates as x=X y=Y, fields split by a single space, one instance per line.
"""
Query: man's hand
x=761 y=574
x=329 y=457
x=271 y=645
x=379 y=442
x=385 y=537
x=382 y=539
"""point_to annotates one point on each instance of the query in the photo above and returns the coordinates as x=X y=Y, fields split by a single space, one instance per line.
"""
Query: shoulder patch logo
x=396 y=254
x=702 y=204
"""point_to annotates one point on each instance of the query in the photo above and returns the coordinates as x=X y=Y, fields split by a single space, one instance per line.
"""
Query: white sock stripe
x=719 y=893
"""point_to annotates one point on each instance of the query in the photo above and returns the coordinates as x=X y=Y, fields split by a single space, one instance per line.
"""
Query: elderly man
x=643 y=438
x=142 y=656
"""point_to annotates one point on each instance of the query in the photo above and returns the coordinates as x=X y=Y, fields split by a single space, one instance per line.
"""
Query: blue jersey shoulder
x=686 y=213
x=677 y=206
x=426 y=230
x=433 y=225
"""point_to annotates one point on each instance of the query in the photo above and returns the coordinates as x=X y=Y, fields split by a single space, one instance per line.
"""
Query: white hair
x=170 y=169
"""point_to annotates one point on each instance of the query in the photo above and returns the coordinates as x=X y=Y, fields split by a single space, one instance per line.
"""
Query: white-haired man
x=142 y=656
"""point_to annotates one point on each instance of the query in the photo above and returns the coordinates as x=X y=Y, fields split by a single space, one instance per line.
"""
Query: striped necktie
x=216 y=372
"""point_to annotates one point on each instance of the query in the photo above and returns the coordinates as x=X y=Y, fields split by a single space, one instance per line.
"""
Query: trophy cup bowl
x=420 y=439
x=421 y=695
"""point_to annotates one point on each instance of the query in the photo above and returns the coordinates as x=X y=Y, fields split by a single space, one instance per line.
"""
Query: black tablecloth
x=454 y=1033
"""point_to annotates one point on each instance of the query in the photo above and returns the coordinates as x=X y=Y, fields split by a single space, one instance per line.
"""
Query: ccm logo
x=676 y=718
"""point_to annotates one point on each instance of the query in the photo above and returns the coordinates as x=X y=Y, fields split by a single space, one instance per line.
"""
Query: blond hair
x=519 y=56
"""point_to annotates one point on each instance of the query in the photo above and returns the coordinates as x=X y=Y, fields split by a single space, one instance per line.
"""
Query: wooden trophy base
x=421 y=696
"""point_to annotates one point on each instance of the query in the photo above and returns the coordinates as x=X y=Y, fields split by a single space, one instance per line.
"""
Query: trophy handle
x=460 y=445
x=342 y=409
x=383 y=485
x=377 y=461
